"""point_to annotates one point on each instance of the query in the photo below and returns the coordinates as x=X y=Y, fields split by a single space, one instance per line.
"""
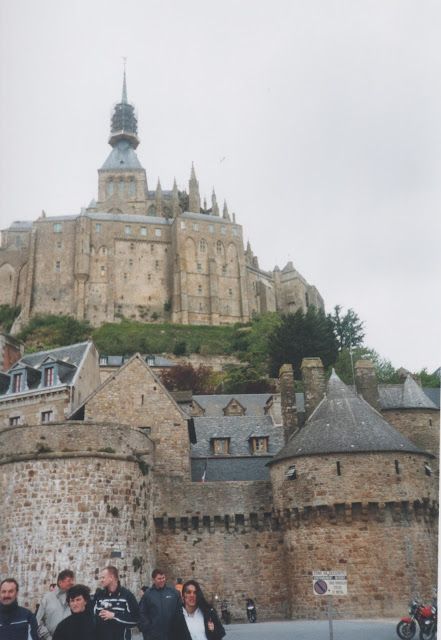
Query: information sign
x=330 y=583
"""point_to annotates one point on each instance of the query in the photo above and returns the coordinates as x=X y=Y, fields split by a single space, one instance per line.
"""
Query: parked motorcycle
x=423 y=615
x=225 y=612
x=251 y=610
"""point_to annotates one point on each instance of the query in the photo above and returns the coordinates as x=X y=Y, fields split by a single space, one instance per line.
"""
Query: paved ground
x=313 y=630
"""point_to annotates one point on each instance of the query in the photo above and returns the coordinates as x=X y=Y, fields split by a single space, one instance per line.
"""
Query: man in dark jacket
x=80 y=625
x=116 y=609
x=158 y=607
x=16 y=623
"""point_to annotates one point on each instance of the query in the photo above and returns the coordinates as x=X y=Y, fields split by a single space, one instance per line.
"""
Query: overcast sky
x=318 y=122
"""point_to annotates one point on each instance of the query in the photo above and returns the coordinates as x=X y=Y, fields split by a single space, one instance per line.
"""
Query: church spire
x=124 y=125
x=194 y=199
x=214 y=205
x=124 y=89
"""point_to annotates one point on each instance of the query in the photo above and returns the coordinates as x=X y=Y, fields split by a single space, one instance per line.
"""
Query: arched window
x=121 y=187
x=132 y=187
x=219 y=247
x=110 y=187
x=202 y=246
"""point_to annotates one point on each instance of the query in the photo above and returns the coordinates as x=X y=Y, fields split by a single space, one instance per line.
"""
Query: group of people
x=68 y=612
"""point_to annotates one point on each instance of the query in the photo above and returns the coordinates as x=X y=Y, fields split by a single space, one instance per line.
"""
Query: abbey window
x=47 y=416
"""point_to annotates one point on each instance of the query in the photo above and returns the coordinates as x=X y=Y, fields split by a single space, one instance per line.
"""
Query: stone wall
x=373 y=477
x=421 y=426
x=388 y=553
x=225 y=536
x=69 y=499
x=28 y=406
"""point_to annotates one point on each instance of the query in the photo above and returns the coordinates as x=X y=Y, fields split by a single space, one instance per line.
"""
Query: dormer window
x=17 y=382
x=291 y=473
x=259 y=444
x=220 y=446
x=48 y=377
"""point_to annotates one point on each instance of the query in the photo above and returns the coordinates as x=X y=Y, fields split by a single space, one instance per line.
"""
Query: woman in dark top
x=80 y=625
x=197 y=620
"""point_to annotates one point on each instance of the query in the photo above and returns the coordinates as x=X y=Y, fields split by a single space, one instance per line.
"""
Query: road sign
x=330 y=583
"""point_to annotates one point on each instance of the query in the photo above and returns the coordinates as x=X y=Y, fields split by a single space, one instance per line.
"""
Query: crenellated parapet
x=404 y=512
x=225 y=523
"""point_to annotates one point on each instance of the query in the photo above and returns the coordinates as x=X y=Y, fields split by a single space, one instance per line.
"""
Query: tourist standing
x=158 y=607
x=197 y=620
x=80 y=625
x=115 y=607
x=16 y=623
x=54 y=607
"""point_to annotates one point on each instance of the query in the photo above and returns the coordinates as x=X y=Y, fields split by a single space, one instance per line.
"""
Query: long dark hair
x=201 y=602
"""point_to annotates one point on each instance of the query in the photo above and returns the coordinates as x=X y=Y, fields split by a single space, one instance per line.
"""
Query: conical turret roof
x=344 y=423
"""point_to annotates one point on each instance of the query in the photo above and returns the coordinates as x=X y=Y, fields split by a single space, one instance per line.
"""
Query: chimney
x=288 y=400
x=366 y=382
x=313 y=375
x=11 y=350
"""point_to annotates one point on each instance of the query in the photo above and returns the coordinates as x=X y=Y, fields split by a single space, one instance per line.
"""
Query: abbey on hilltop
x=142 y=254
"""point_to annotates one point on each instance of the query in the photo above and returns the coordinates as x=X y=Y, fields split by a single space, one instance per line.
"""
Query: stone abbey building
x=142 y=254
x=96 y=471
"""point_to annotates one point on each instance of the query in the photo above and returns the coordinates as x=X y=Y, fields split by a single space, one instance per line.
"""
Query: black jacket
x=157 y=608
x=17 y=623
x=179 y=630
x=125 y=607
x=77 y=626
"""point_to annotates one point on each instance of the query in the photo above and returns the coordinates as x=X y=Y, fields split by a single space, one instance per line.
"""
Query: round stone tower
x=354 y=495
x=74 y=495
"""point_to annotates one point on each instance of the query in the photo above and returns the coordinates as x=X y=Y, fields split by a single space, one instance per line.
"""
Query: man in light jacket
x=54 y=608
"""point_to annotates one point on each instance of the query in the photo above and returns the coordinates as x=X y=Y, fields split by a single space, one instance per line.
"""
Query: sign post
x=330 y=583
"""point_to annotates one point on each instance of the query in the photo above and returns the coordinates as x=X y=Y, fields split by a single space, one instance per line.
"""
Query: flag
x=204 y=474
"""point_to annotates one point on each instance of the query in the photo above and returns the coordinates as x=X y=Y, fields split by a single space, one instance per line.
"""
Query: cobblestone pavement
x=379 y=629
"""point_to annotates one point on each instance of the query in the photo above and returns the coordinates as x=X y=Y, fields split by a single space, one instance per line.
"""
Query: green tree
x=49 y=332
x=185 y=377
x=246 y=379
x=429 y=379
x=384 y=369
x=348 y=328
x=302 y=335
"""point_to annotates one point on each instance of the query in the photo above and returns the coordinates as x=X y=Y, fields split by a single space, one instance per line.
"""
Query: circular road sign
x=320 y=587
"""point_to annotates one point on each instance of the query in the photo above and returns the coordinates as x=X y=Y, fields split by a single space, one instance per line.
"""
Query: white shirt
x=195 y=624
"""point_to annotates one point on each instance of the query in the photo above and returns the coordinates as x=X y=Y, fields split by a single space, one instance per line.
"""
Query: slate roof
x=214 y=404
x=20 y=225
x=122 y=156
x=72 y=354
x=239 y=429
x=344 y=423
x=221 y=469
x=126 y=217
x=433 y=394
x=118 y=361
x=404 y=396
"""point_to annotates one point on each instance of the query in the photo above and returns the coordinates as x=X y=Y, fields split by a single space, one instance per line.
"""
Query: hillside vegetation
x=263 y=344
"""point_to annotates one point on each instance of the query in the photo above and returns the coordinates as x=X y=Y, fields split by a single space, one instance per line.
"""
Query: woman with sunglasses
x=197 y=620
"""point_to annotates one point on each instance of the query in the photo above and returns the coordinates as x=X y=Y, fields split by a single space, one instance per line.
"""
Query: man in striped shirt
x=115 y=607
